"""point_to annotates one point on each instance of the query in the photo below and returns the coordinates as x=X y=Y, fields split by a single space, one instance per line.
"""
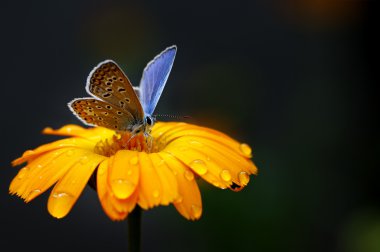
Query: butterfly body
x=115 y=103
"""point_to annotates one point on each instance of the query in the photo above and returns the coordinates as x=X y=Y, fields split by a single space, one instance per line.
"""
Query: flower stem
x=134 y=230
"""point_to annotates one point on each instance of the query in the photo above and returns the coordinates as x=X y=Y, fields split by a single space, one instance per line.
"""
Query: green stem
x=134 y=230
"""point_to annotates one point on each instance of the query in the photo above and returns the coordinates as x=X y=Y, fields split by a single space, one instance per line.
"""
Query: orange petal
x=199 y=162
x=167 y=179
x=123 y=206
x=172 y=131
x=231 y=166
x=124 y=173
x=48 y=174
x=189 y=203
x=26 y=175
x=104 y=195
x=95 y=134
x=69 y=142
x=66 y=192
x=150 y=190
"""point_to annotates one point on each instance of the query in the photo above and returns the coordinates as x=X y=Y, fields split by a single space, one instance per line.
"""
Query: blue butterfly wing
x=154 y=78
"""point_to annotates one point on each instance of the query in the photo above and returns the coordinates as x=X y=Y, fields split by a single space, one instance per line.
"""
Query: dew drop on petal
x=195 y=143
x=156 y=193
x=198 y=166
x=129 y=172
x=225 y=175
x=22 y=173
x=33 y=194
x=179 y=200
x=134 y=160
x=39 y=166
x=196 y=211
x=84 y=160
x=123 y=187
x=243 y=178
x=61 y=195
x=189 y=175
x=58 y=200
x=245 y=149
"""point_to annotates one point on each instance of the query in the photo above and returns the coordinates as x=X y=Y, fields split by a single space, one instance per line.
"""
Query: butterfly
x=115 y=103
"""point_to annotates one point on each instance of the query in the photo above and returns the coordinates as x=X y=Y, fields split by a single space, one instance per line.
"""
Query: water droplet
x=247 y=151
x=33 y=194
x=59 y=202
x=84 y=160
x=40 y=177
x=22 y=173
x=195 y=143
x=39 y=166
x=156 y=193
x=225 y=175
x=129 y=172
x=134 y=160
x=243 y=178
x=69 y=153
x=199 y=166
x=196 y=211
x=189 y=175
x=179 y=200
x=60 y=195
x=122 y=187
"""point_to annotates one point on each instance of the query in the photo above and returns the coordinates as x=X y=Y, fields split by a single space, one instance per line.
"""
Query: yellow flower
x=128 y=172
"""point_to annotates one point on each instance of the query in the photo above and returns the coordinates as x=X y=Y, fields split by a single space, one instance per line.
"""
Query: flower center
x=127 y=141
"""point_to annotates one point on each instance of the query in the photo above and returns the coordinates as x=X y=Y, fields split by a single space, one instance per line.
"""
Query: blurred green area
x=292 y=79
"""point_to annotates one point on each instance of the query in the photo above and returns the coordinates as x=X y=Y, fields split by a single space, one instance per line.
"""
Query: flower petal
x=104 y=193
x=26 y=176
x=95 y=134
x=150 y=189
x=230 y=165
x=48 y=174
x=124 y=173
x=199 y=162
x=124 y=206
x=189 y=203
x=172 y=131
x=66 y=192
x=69 y=142
x=167 y=179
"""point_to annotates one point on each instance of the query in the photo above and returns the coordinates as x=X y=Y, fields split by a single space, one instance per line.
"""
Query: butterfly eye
x=148 y=120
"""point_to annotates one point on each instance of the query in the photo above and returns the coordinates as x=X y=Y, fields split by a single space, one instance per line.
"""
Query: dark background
x=294 y=79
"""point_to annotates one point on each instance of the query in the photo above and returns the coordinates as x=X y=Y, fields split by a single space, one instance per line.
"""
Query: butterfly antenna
x=173 y=116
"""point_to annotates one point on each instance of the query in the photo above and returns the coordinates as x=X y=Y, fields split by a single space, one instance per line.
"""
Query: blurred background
x=294 y=79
